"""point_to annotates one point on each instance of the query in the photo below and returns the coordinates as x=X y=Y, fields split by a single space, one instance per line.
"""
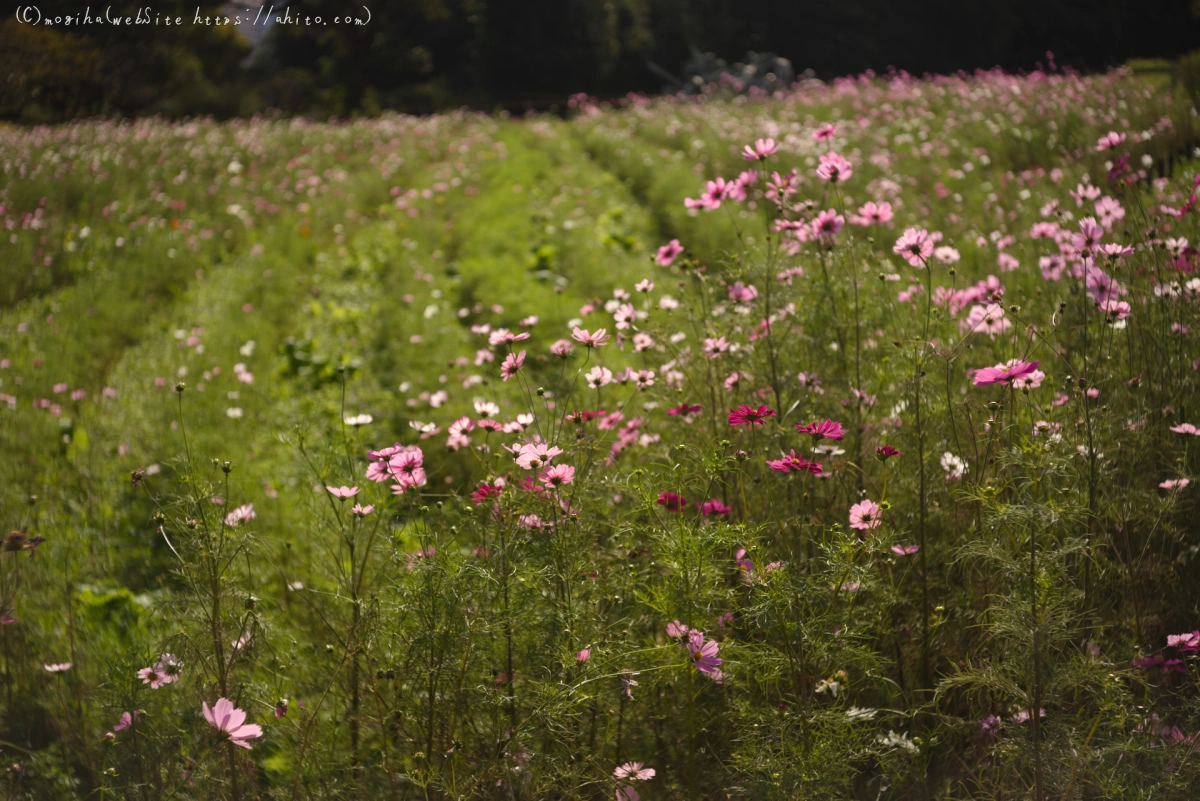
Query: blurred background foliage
x=426 y=55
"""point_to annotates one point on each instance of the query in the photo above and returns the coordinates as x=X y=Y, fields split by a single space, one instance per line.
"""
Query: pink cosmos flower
x=677 y=629
x=583 y=656
x=872 y=213
x=240 y=515
x=152 y=676
x=512 y=365
x=634 y=771
x=864 y=515
x=1175 y=484
x=1109 y=141
x=827 y=223
x=793 y=463
x=668 y=253
x=761 y=150
x=126 y=721
x=231 y=721
x=714 y=193
x=502 y=336
x=715 y=347
x=825 y=132
x=915 y=245
x=704 y=655
x=561 y=348
x=905 y=550
x=1189 y=641
x=59 y=667
x=343 y=492
x=532 y=456
x=741 y=293
x=362 y=511
x=1089 y=236
x=1186 y=428
x=558 y=475
x=597 y=339
x=834 y=168
x=886 y=452
x=985 y=376
x=714 y=506
x=749 y=416
x=829 y=429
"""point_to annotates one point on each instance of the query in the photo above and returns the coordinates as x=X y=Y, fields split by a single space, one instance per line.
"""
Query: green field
x=199 y=316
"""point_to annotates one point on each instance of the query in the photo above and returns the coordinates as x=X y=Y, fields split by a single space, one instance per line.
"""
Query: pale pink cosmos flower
x=502 y=336
x=152 y=676
x=715 y=347
x=915 y=245
x=634 y=771
x=1175 y=483
x=562 y=348
x=645 y=285
x=126 y=721
x=1186 y=428
x=761 y=150
x=532 y=456
x=512 y=365
x=343 y=492
x=362 y=511
x=58 y=667
x=905 y=550
x=946 y=254
x=1109 y=141
x=864 y=515
x=742 y=293
x=240 y=515
x=677 y=629
x=231 y=721
x=668 y=253
x=598 y=377
x=595 y=339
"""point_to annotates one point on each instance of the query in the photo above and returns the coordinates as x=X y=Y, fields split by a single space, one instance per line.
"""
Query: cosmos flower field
x=835 y=444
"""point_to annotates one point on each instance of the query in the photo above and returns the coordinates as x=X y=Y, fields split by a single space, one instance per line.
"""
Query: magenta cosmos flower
x=1001 y=373
x=230 y=720
x=761 y=150
x=671 y=501
x=864 y=515
x=714 y=506
x=915 y=246
x=749 y=416
x=886 y=452
x=905 y=550
x=668 y=253
x=829 y=429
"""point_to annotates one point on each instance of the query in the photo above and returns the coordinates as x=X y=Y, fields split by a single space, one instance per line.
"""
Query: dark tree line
x=420 y=55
